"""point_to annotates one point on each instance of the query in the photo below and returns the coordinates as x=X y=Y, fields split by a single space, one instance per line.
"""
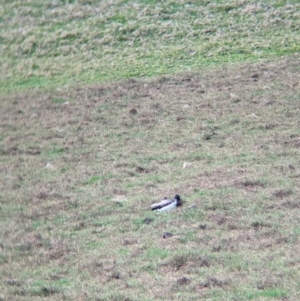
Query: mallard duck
x=166 y=204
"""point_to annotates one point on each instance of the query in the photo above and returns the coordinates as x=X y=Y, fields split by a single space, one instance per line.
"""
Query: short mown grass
x=57 y=43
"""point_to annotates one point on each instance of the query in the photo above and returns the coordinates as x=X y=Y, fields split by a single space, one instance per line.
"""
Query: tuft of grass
x=93 y=179
x=268 y=293
x=155 y=254
x=59 y=100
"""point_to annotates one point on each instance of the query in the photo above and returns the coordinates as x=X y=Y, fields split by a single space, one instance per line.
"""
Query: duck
x=167 y=204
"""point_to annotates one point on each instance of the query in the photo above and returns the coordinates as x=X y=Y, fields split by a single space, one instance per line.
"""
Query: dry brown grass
x=80 y=168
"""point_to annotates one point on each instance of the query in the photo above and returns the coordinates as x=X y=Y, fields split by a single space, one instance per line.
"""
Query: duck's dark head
x=178 y=200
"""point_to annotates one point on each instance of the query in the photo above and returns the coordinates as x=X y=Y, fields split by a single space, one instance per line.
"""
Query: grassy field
x=68 y=42
x=81 y=162
x=80 y=168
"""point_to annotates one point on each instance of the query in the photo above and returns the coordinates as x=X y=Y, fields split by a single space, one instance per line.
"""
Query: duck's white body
x=167 y=204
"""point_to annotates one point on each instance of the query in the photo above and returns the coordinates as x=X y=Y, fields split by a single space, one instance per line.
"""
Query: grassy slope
x=79 y=169
x=55 y=43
